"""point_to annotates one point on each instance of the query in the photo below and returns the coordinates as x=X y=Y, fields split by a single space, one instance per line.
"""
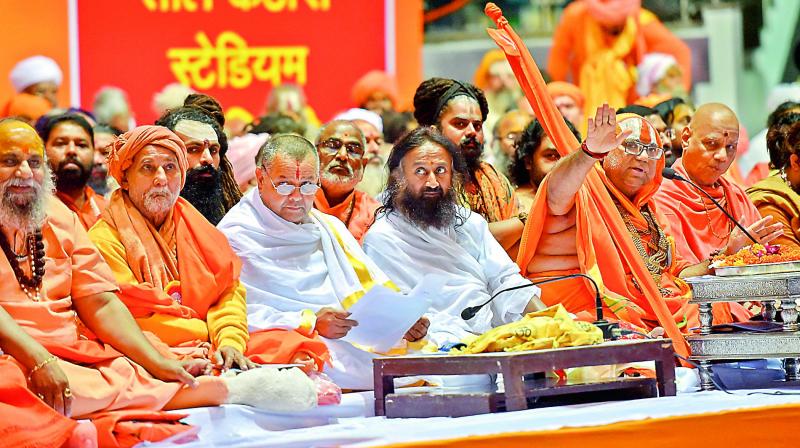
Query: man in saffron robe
x=176 y=273
x=599 y=44
x=342 y=156
x=303 y=270
x=69 y=142
x=61 y=325
x=697 y=225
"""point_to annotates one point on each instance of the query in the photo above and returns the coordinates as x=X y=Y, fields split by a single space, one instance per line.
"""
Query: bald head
x=293 y=147
x=709 y=143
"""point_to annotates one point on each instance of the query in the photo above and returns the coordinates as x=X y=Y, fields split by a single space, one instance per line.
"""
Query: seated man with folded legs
x=62 y=326
x=302 y=268
x=422 y=229
x=566 y=233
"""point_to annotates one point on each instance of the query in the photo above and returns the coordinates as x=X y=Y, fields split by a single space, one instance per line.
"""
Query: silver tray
x=757 y=269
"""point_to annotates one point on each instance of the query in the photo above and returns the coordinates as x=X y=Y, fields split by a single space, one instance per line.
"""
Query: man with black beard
x=69 y=143
x=206 y=145
x=458 y=110
x=421 y=229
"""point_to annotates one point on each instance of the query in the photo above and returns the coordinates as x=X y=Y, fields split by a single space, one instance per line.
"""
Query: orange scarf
x=185 y=247
x=598 y=210
x=357 y=211
x=495 y=199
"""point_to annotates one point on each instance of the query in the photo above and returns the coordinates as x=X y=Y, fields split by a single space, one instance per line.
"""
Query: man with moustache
x=458 y=110
x=371 y=125
x=506 y=133
x=422 y=229
x=53 y=280
x=99 y=180
x=69 y=143
x=176 y=273
x=342 y=157
x=206 y=145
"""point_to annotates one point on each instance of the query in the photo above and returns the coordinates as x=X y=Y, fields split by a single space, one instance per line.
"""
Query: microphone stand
x=610 y=330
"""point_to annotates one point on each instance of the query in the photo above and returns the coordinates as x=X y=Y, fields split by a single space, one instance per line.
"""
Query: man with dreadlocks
x=422 y=229
x=458 y=110
x=210 y=186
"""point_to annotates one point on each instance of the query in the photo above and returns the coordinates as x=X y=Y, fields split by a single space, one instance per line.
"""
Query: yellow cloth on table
x=550 y=328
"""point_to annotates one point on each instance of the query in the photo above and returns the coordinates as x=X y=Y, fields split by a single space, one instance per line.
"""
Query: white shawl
x=474 y=263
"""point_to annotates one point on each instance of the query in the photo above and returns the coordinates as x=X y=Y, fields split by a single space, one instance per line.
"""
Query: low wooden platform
x=517 y=393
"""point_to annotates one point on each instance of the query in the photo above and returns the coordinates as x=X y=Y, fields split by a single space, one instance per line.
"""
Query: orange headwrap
x=127 y=145
x=374 y=81
x=561 y=88
x=482 y=72
x=611 y=13
x=27 y=106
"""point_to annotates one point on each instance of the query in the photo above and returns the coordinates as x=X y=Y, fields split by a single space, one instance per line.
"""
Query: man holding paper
x=421 y=229
x=302 y=268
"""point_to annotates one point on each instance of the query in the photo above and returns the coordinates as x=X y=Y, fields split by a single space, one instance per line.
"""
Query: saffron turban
x=34 y=70
x=374 y=81
x=611 y=13
x=27 y=106
x=561 y=88
x=127 y=145
x=482 y=72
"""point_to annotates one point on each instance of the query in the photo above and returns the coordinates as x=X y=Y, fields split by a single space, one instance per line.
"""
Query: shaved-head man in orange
x=342 y=158
x=54 y=282
x=565 y=234
x=700 y=228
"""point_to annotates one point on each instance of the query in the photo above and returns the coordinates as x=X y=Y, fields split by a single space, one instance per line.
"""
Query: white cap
x=652 y=68
x=363 y=115
x=34 y=70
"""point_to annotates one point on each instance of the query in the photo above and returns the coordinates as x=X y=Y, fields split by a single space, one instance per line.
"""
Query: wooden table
x=515 y=365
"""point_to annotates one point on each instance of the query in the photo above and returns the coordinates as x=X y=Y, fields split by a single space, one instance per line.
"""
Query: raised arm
x=567 y=177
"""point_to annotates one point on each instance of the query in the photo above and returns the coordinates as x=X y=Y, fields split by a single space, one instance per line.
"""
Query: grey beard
x=29 y=216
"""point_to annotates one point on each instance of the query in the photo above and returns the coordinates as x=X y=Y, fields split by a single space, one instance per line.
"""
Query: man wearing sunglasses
x=698 y=226
x=302 y=268
x=342 y=156
x=576 y=235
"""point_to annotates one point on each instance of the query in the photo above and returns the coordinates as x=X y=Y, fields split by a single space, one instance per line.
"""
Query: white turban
x=363 y=115
x=34 y=70
x=652 y=68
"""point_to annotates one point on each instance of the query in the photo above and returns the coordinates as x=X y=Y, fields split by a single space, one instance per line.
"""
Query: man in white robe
x=302 y=268
x=422 y=230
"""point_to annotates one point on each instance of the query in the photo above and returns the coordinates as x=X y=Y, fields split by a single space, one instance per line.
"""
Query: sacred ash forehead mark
x=196 y=130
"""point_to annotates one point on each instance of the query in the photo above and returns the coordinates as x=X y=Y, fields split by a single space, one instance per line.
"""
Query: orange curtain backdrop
x=535 y=89
x=29 y=28
x=767 y=426
x=408 y=49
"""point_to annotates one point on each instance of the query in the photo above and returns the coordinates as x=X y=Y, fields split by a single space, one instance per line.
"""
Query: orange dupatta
x=204 y=267
x=597 y=200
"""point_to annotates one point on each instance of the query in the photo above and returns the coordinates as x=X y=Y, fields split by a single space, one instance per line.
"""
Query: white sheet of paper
x=384 y=316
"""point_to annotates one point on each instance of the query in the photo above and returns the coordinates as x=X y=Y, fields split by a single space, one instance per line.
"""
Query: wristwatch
x=523 y=217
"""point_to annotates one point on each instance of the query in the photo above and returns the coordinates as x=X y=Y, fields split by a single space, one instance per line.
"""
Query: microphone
x=610 y=330
x=670 y=173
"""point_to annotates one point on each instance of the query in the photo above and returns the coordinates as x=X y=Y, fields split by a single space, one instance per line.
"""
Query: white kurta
x=474 y=263
x=288 y=268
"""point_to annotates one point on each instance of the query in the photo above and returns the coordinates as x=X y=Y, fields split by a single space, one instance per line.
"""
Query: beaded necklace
x=31 y=286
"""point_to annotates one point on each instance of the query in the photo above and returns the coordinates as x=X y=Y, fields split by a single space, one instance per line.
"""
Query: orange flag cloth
x=211 y=267
x=599 y=220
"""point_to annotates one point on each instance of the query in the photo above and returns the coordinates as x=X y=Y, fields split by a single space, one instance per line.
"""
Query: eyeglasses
x=334 y=145
x=285 y=189
x=512 y=136
x=635 y=148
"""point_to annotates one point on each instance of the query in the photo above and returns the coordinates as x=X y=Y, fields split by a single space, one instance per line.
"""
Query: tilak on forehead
x=196 y=130
x=16 y=135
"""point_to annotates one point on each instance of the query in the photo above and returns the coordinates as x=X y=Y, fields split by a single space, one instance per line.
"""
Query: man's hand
x=198 y=366
x=418 y=331
x=602 y=136
x=333 y=324
x=761 y=230
x=51 y=385
x=228 y=356
x=171 y=370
